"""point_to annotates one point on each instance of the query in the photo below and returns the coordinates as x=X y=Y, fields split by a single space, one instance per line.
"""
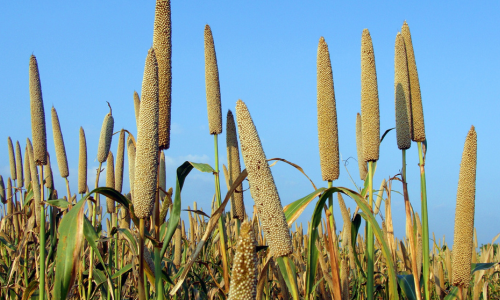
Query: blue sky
x=93 y=52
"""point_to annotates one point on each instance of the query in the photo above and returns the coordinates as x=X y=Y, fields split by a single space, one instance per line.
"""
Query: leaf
x=355 y=224
x=68 y=250
x=91 y=237
x=284 y=273
x=482 y=266
x=385 y=133
x=295 y=209
x=407 y=285
x=453 y=294
x=202 y=167
x=196 y=211
x=59 y=203
x=131 y=240
x=295 y=166
x=175 y=213
x=28 y=292
x=122 y=271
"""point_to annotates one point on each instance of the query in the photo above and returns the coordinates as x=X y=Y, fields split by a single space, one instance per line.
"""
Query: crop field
x=145 y=241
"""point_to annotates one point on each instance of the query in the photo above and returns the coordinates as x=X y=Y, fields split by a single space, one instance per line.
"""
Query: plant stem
x=69 y=193
x=142 y=292
x=409 y=226
x=41 y=287
x=222 y=231
x=94 y=206
x=157 y=248
x=425 y=222
x=370 y=239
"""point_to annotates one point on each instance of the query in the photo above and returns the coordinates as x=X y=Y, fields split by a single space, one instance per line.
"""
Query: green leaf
x=59 y=203
x=482 y=266
x=122 y=271
x=284 y=273
x=175 y=213
x=129 y=236
x=202 y=167
x=453 y=294
x=385 y=133
x=407 y=285
x=295 y=209
x=355 y=224
x=91 y=237
x=68 y=250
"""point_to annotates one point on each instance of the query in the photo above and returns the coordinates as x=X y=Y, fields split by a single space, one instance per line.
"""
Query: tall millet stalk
x=370 y=119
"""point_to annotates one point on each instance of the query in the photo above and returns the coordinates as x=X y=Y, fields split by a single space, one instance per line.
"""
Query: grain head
x=19 y=166
x=233 y=160
x=327 y=115
x=2 y=191
x=212 y=84
x=363 y=169
x=110 y=182
x=125 y=216
x=146 y=160
x=244 y=273
x=105 y=138
x=178 y=246
x=12 y=159
x=27 y=170
x=131 y=151
x=37 y=114
x=47 y=172
x=418 y=134
x=162 y=43
x=402 y=95
x=37 y=197
x=464 y=213
x=370 y=115
x=62 y=160
x=163 y=176
x=262 y=187
x=10 y=199
x=120 y=153
x=82 y=164
x=137 y=107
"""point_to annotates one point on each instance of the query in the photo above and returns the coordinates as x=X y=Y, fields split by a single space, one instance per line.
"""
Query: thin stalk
x=222 y=231
x=291 y=278
x=157 y=248
x=425 y=222
x=142 y=291
x=114 y=220
x=330 y=205
x=370 y=239
x=91 y=256
x=41 y=287
x=334 y=258
x=69 y=192
x=409 y=225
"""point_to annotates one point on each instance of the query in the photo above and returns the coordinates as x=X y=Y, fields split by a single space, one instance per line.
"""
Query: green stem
x=370 y=238
x=330 y=207
x=222 y=231
x=157 y=248
x=41 y=287
x=142 y=292
x=425 y=222
x=94 y=206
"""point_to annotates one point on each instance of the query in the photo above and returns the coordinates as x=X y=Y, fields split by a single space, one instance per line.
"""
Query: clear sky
x=92 y=52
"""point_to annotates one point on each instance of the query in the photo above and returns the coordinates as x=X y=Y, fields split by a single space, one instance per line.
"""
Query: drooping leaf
x=202 y=167
x=453 y=294
x=68 y=250
x=482 y=266
x=32 y=286
x=295 y=209
x=407 y=285
x=59 y=203
x=122 y=271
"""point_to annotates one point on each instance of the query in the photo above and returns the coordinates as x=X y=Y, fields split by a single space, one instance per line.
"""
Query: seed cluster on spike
x=105 y=138
x=163 y=176
x=131 y=151
x=48 y=177
x=82 y=164
x=162 y=43
x=244 y=274
x=2 y=191
x=137 y=107
x=19 y=166
x=464 y=213
x=37 y=115
x=12 y=159
x=363 y=170
x=34 y=178
x=262 y=186
x=62 y=160
x=120 y=153
x=177 y=246
x=110 y=181
x=233 y=158
x=327 y=115
x=212 y=85
x=146 y=160
x=402 y=95
x=418 y=134
x=370 y=115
